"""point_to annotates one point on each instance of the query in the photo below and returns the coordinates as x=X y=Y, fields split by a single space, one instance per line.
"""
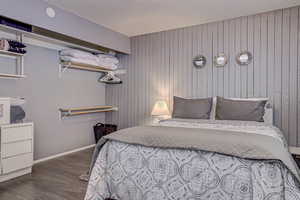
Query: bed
x=195 y=159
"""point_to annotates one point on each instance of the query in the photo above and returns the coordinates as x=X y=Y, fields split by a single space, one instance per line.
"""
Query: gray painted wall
x=34 y=12
x=160 y=66
x=45 y=92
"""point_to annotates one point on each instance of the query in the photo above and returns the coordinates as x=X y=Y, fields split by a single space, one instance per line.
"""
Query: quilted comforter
x=146 y=168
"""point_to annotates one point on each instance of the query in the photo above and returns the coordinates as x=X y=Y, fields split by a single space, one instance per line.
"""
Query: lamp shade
x=160 y=108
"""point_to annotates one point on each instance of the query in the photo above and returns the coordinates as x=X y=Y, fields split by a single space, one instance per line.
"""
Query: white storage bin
x=4 y=110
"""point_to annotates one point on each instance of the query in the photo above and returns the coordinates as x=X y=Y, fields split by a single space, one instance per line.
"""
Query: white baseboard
x=15 y=174
x=63 y=154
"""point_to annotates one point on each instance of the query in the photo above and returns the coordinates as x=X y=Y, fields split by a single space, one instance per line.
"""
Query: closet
x=42 y=39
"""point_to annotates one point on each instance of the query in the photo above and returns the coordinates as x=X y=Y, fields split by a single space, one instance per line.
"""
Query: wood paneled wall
x=160 y=67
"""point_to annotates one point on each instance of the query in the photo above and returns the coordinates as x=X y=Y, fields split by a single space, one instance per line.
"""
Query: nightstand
x=16 y=144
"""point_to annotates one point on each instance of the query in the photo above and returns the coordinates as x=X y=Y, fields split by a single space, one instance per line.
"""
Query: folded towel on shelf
x=103 y=60
x=108 y=58
x=79 y=60
x=109 y=61
x=78 y=54
x=108 y=65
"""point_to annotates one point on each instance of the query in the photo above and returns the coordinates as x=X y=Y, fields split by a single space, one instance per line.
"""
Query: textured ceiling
x=136 y=17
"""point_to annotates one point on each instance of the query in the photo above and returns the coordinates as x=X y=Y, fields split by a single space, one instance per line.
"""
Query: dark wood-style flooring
x=56 y=179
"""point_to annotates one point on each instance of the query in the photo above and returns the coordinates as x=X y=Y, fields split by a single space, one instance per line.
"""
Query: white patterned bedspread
x=135 y=172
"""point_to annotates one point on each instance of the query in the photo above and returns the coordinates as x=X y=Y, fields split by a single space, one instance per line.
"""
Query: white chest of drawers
x=16 y=145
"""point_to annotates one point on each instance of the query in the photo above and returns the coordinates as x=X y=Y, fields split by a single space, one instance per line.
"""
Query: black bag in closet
x=101 y=130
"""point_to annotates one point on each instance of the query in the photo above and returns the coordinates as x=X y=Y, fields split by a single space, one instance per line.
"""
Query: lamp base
x=157 y=119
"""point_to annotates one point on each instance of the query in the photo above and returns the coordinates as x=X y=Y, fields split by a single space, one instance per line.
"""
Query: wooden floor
x=51 y=180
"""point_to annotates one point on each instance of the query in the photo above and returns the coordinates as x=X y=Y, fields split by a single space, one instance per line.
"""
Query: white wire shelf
x=18 y=56
x=10 y=53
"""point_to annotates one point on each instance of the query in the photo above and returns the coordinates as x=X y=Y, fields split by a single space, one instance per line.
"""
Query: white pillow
x=268 y=116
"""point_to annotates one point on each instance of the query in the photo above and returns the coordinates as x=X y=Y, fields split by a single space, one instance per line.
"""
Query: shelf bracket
x=63 y=67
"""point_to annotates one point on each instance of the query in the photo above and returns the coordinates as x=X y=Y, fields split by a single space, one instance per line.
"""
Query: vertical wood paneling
x=171 y=57
x=215 y=51
x=226 y=51
x=237 y=49
x=244 y=45
x=220 y=76
x=298 y=77
x=209 y=46
x=263 y=55
x=257 y=56
x=198 y=78
x=271 y=55
x=278 y=56
x=231 y=63
x=250 y=67
x=285 y=71
x=293 y=59
x=139 y=74
x=160 y=67
x=132 y=85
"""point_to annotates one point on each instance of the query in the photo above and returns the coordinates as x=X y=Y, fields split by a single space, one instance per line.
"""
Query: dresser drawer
x=13 y=134
x=16 y=148
x=17 y=163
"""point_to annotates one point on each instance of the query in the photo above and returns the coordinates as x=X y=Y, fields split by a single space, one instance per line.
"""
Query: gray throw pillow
x=228 y=109
x=192 y=108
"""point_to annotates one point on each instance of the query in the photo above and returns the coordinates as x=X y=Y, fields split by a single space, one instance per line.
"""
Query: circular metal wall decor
x=199 y=61
x=220 y=60
x=244 y=58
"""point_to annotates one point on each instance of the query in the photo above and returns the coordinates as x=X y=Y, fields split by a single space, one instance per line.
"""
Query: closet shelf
x=11 y=76
x=9 y=53
x=81 y=66
x=20 y=61
x=66 y=112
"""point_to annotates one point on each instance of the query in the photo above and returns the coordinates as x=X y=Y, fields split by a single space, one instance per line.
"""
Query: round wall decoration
x=244 y=58
x=199 y=61
x=220 y=60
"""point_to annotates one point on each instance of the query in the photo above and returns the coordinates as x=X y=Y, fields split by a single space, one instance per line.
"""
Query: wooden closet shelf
x=87 y=67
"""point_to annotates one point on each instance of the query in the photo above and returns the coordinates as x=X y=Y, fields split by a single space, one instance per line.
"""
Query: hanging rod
x=85 y=108
x=11 y=76
x=66 y=112
x=81 y=66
